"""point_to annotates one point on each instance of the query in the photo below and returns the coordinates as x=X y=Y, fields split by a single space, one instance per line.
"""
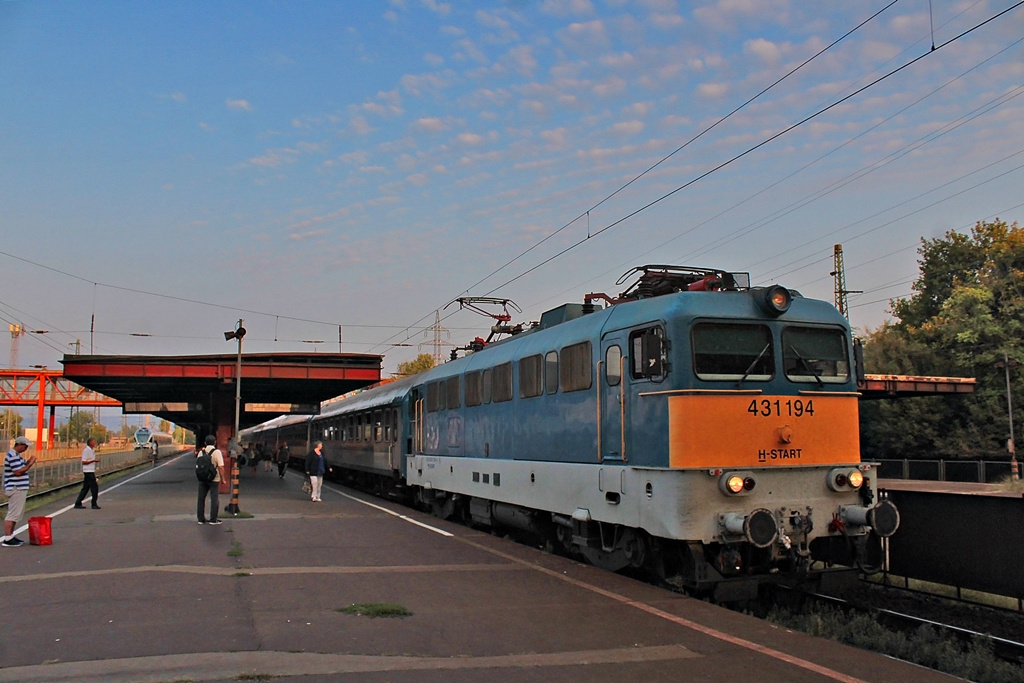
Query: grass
x=236 y=549
x=375 y=609
x=973 y=660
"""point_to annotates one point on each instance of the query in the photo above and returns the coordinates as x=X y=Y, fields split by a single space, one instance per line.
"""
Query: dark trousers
x=281 y=467
x=89 y=485
x=212 y=488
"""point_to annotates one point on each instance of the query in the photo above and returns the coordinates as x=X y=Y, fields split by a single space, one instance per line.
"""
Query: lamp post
x=238 y=333
x=1010 y=446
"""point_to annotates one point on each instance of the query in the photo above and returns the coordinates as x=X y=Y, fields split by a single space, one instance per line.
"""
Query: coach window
x=551 y=372
x=813 y=354
x=502 y=381
x=454 y=399
x=577 y=371
x=530 y=376
x=378 y=427
x=485 y=386
x=723 y=351
x=613 y=365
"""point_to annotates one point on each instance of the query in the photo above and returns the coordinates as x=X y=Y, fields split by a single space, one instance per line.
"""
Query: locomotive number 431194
x=781 y=408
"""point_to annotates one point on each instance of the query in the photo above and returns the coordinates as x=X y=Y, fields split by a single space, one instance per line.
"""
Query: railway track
x=959 y=621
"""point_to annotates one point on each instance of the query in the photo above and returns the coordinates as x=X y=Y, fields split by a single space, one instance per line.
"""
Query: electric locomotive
x=692 y=426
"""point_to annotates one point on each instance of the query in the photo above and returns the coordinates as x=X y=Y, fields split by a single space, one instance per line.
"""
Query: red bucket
x=39 y=531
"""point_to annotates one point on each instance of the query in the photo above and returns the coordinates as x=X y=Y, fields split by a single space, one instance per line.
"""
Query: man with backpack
x=209 y=472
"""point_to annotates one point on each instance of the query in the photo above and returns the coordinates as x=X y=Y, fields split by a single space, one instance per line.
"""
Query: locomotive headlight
x=777 y=300
x=737 y=483
x=845 y=479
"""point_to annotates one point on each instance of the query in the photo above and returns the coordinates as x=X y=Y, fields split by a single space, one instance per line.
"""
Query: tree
x=421 y=363
x=966 y=314
x=80 y=427
x=10 y=423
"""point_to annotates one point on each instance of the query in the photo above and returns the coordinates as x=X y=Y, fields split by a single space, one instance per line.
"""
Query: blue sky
x=168 y=168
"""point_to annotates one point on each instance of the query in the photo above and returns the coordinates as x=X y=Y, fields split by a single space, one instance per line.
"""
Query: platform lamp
x=238 y=333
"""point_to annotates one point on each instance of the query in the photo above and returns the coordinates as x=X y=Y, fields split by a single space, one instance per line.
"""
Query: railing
x=979 y=471
x=57 y=467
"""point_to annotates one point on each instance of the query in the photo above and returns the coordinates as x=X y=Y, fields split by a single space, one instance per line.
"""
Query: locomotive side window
x=732 y=352
x=485 y=386
x=452 y=392
x=811 y=354
x=433 y=389
x=577 y=368
x=474 y=388
x=530 y=376
x=501 y=378
x=551 y=372
x=613 y=365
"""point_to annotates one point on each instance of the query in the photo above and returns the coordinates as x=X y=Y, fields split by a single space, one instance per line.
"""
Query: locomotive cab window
x=732 y=352
x=648 y=352
x=811 y=354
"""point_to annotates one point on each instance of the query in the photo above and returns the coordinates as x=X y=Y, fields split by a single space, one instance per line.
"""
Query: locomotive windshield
x=815 y=355
x=732 y=352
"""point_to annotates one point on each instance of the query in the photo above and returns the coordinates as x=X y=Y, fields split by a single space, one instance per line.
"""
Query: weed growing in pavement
x=253 y=677
x=236 y=549
x=375 y=609
x=974 y=660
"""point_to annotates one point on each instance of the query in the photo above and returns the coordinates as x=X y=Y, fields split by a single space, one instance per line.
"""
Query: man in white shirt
x=211 y=488
x=89 y=484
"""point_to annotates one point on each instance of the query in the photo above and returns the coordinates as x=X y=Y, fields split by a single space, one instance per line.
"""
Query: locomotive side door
x=611 y=396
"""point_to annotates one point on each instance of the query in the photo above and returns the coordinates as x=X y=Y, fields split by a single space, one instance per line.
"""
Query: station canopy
x=198 y=392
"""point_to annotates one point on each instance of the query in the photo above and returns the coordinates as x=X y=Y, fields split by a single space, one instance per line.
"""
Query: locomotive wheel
x=637 y=548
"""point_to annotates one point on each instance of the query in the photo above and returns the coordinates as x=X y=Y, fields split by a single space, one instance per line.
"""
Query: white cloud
x=765 y=50
x=712 y=91
x=470 y=138
x=360 y=126
x=240 y=105
x=275 y=157
x=433 y=60
x=442 y=8
x=628 y=127
x=418 y=179
x=610 y=86
x=564 y=8
x=429 y=124
x=666 y=21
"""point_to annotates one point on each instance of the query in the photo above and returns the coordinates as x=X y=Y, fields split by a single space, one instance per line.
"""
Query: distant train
x=692 y=426
x=159 y=444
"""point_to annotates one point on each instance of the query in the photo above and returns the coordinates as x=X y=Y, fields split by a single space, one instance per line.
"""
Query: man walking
x=89 y=484
x=16 y=488
x=283 y=455
x=210 y=487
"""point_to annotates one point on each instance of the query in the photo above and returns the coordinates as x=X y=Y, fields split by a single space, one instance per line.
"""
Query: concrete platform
x=137 y=591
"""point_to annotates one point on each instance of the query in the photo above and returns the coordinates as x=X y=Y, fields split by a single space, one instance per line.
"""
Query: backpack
x=206 y=471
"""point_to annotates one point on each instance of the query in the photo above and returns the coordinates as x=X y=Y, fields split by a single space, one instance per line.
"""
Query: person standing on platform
x=283 y=455
x=89 y=484
x=316 y=468
x=210 y=487
x=16 y=488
